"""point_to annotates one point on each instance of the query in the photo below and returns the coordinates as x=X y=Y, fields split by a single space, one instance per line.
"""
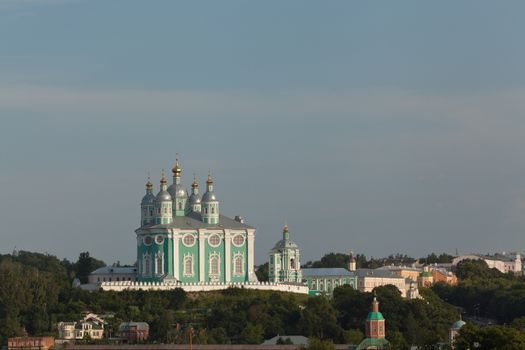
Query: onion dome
x=286 y=242
x=176 y=190
x=149 y=198
x=194 y=198
x=375 y=314
x=163 y=195
x=209 y=196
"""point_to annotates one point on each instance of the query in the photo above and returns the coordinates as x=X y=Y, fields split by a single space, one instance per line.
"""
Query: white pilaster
x=176 y=256
x=227 y=255
x=251 y=238
x=202 y=241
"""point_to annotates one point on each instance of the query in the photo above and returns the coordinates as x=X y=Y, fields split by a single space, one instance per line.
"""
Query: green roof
x=375 y=316
x=426 y=274
x=458 y=324
x=378 y=343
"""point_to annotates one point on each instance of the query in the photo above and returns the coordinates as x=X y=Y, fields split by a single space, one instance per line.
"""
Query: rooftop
x=193 y=221
x=327 y=271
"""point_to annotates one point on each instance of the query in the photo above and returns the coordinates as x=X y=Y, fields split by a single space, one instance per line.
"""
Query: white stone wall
x=203 y=287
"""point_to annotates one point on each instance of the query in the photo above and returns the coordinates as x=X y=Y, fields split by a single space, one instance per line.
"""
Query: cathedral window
x=292 y=263
x=147 y=265
x=214 y=240
x=214 y=264
x=206 y=210
x=238 y=240
x=213 y=210
x=159 y=263
x=238 y=264
x=188 y=265
x=188 y=240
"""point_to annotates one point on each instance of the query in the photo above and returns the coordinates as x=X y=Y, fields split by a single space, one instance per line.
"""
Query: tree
x=262 y=273
x=252 y=334
x=85 y=265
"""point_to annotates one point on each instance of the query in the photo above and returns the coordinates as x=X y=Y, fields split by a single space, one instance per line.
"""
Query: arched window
x=314 y=285
x=159 y=263
x=180 y=205
x=206 y=210
x=214 y=264
x=213 y=210
x=165 y=210
x=238 y=264
x=147 y=265
x=188 y=265
x=292 y=263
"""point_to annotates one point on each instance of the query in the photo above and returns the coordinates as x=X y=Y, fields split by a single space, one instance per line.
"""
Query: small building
x=374 y=330
x=292 y=339
x=30 y=343
x=448 y=277
x=368 y=279
x=91 y=326
x=403 y=271
x=504 y=262
x=133 y=332
x=325 y=280
x=112 y=274
x=425 y=279
x=285 y=264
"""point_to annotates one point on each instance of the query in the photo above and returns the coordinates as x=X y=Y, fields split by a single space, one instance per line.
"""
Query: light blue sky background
x=382 y=127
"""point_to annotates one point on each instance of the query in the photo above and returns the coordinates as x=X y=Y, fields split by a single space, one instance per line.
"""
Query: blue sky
x=381 y=127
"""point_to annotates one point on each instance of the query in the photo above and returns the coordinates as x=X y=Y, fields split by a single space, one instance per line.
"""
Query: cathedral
x=183 y=237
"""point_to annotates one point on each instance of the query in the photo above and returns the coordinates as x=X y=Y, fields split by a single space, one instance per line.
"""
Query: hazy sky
x=377 y=126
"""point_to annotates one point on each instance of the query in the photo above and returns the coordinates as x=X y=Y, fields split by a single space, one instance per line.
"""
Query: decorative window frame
x=236 y=257
x=214 y=245
x=188 y=257
x=189 y=245
x=159 y=237
x=146 y=237
x=214 y=256
x=243 y=240
x=146 y=264
x=159 y=257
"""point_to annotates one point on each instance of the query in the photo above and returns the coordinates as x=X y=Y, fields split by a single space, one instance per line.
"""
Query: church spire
x=163 y=182
x=286 y=234
x=176 y=170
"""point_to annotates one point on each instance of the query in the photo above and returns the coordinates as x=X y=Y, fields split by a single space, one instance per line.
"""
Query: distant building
x=285 y=264
x=134 y=332
x=30 y=343
x=368 y=279
x=440 y=275
x=325 y=280
x=454 y=330
x=425 y=279
x=113 y=274
x=374 y=330
x=504 y=262
x=403 y=271
x=294 y=339
x=91 y=326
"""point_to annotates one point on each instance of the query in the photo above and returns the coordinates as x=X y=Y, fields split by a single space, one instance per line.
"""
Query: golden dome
x=209 y=181
x=194 y=184
x=163 y=178
x=285 y=228
x=149 y=185
x=176 y=169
